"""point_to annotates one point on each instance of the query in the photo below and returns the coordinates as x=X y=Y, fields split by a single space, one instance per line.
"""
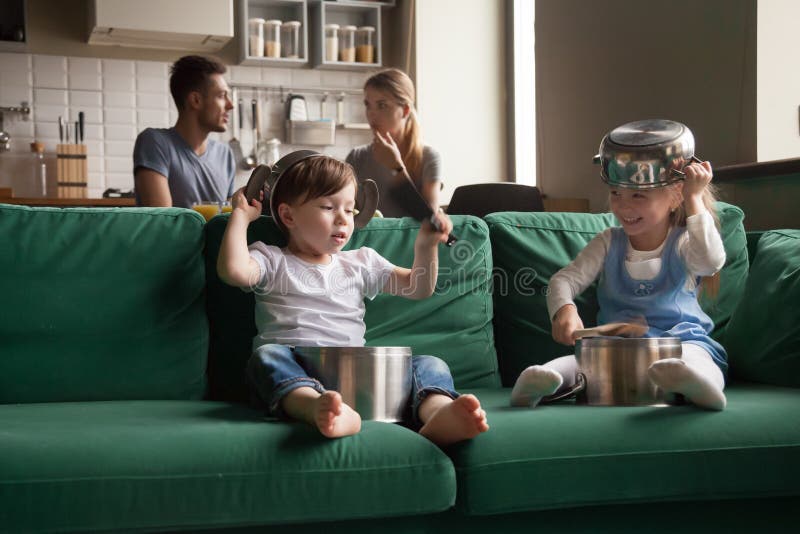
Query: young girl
x=312 y=293
x=648 y=268
x=397 y=147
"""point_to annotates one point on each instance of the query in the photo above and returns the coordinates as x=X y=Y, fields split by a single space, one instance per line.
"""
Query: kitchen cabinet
x=282 y=10
x=13 y=35
x=313 y=16
x=358 y=14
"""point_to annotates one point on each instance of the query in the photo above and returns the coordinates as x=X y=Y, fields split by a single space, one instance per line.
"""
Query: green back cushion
x=101 y=304
x=528 y=248
x=454 y=324
x=764 y=332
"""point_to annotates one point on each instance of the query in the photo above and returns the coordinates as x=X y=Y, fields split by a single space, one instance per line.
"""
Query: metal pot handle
x=676 y=172
x=580 y=385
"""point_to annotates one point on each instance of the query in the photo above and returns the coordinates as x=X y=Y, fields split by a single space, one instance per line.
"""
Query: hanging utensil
x=236 y=146
x=251 y=161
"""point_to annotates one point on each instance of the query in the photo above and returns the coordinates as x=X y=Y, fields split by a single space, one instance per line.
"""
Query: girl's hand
x=698 y=176
x=385 y=150
x=251 y=211
x=429 y=236
x=565 y=322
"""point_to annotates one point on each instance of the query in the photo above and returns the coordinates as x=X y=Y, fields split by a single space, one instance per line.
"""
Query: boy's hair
x=192 y=73
x=309 y=179
x=709 y=285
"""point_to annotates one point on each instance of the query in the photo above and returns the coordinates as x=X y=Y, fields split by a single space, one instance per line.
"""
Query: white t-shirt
x=700 y=247
x=301 y=303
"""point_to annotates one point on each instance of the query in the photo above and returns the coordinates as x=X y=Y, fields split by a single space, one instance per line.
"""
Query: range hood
x=197 y=25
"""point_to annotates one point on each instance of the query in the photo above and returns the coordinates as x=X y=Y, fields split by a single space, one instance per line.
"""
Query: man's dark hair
x=191 y=73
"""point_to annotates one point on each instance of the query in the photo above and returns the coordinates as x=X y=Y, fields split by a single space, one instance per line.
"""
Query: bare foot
x=334 y=418
x=455 y=421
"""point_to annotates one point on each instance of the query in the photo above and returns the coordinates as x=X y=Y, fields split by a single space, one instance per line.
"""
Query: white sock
x=674 y=376
x=534 y=383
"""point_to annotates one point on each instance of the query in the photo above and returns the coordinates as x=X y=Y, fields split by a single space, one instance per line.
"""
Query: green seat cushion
x=565 y=455
x=454 y=324
x=163 y=465
x=764 y=332
x=101 y=304
x=529 y=248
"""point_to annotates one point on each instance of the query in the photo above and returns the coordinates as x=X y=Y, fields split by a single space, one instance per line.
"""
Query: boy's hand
x=251 y=211
x=429 y=236
x=565 y=322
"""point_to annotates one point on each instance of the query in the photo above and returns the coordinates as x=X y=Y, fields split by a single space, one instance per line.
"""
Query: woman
x=396 y=152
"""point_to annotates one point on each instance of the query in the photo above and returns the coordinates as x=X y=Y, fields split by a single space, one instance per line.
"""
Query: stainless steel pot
x=374 y=381
x=645 y=154
x=612 y=371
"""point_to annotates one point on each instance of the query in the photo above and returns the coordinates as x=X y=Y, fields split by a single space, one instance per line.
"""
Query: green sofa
x=123 y=407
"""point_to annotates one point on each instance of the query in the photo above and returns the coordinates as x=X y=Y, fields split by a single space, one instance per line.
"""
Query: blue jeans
x=273 y=371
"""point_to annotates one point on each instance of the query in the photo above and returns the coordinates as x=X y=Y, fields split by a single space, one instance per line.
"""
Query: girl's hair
x=399 y=85
x=311 y=178
x=709 y=285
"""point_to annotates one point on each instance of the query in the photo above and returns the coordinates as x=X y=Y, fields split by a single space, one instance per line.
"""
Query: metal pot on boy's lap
x=374 y=381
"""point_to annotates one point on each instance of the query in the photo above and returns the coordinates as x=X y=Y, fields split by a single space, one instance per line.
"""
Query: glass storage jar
x=347 y=44
x=272 y=38
x=290 y=42
x=365 y=44
x=256 y=37
x=331 y=42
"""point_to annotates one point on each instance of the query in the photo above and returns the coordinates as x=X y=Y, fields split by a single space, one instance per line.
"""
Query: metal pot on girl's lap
x=374 y=381
x=612 y=371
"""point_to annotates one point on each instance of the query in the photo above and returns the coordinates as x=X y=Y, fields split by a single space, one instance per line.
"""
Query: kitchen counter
x=71 y=202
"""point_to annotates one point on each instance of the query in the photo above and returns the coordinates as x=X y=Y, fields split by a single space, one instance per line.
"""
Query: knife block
x=72 y=170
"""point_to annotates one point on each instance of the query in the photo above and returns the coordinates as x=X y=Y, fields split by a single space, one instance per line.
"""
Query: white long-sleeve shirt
x=700 y=247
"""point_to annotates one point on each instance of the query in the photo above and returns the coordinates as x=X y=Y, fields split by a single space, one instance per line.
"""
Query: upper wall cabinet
x=295 y=33
x=13 y=37
x=272 y=32
x=346 y=35
x=199 y=25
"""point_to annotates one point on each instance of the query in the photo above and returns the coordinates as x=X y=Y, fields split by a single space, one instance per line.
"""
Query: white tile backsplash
x=119 y=116
x=91 y=82
x=54 y=79
x=90 y=115
x=119 y=132
x=119 y=82
x=83 y=66
x=91 y=99
x=150 y=85
x=153 y=69
x=119 y=149
x=118 y=67
x=151 y=101
x=119 y=100
x=14 y=63
x=114 y=164
x=122 y=97
x=48 y=113
x=13 y=96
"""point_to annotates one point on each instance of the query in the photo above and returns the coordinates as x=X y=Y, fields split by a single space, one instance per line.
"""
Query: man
x=180 y=165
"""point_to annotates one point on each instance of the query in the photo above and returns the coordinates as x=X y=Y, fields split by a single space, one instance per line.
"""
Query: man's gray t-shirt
x=191 y=178
x=368 y=168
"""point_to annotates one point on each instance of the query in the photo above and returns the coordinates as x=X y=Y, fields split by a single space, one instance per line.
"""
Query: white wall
x=778 y=80
x=461 y=94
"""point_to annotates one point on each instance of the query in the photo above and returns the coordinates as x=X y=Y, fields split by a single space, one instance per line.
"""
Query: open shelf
x=283 y=10
x=343 y=13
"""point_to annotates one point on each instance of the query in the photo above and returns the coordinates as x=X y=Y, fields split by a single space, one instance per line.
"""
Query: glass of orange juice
x=225 y=207
x=206 y=208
